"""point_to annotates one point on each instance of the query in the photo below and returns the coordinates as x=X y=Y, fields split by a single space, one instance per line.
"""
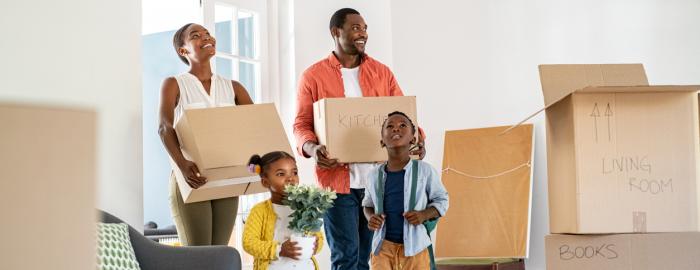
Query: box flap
x=640 y=89
x=558 y=81
x=491 y=173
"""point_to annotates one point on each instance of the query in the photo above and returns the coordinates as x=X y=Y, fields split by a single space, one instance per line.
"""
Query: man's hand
x=419 y=148
x=320 y=154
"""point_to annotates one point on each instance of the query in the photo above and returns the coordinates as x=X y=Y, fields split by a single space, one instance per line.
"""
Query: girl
x=405 y=194
x=207 y=222
x=266 y=235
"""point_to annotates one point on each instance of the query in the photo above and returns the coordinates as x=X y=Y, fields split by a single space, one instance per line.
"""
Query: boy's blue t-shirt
x=393 y=206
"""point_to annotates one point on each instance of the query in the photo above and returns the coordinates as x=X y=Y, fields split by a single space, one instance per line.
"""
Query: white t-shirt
x=351 y=81
x=359 y=172
x=282 y=234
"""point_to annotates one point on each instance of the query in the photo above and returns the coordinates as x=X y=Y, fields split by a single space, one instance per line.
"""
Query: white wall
x=474 y=63
x=84 y=53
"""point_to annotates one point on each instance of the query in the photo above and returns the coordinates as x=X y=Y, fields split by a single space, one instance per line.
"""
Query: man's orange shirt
x=324 y=80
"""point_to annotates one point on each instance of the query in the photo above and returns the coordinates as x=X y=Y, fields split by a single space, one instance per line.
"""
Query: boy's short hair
x=413 y=126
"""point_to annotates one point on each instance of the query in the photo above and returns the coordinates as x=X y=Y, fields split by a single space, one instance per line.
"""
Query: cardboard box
x=221 y=141
x=622 y=155
x=350 y=128
x=654 y=251
x=48 y=156
x=488 y=174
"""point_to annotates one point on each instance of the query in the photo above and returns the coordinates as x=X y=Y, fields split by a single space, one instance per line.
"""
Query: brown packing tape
x=639 y=222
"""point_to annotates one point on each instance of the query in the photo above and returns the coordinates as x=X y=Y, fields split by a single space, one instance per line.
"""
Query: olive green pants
x=202 y=223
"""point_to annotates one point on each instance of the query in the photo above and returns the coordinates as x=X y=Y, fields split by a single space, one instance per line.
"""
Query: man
x=346 y=72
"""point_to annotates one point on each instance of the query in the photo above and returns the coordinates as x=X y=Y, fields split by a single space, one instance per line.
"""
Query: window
x=238 y=26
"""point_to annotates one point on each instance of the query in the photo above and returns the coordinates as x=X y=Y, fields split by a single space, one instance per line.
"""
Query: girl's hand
x=315 y=242
x=290 y=250
x=375 y=222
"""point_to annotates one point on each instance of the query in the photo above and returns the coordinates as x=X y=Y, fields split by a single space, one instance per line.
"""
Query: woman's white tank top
x=193 y=95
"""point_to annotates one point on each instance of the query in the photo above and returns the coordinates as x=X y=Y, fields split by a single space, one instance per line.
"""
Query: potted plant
x=308 y=204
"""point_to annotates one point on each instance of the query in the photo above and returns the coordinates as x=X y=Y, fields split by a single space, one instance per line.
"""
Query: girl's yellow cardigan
x=258 y=236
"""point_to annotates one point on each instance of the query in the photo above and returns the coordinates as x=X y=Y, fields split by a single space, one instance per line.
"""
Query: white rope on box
x=526 y=164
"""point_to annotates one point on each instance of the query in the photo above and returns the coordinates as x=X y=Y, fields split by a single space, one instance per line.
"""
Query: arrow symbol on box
x=595 y=114
x=608 y=114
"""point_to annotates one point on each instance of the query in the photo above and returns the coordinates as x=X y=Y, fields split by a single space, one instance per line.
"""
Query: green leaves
x=308 y=204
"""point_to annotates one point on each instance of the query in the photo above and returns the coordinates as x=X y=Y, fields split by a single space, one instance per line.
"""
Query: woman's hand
x=191 y=173
x=290 y=250
x=375 y=222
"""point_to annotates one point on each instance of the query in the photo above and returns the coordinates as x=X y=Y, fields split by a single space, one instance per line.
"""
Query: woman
x=207 y=222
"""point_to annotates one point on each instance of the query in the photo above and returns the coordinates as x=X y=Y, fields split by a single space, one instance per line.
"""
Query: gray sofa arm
x=154 y=256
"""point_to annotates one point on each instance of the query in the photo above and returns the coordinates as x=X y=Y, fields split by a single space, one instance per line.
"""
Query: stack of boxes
x=622 y=160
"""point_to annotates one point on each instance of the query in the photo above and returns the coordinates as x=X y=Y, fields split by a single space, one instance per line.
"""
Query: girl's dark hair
x=268 y=159
x=413 y=127
x=179 y=41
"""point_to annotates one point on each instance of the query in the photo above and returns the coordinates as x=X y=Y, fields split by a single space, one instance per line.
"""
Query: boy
x=400 y=238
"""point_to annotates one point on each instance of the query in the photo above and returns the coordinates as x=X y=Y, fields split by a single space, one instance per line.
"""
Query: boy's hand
x=415 y=217
x=375 y=222
x=290 y=250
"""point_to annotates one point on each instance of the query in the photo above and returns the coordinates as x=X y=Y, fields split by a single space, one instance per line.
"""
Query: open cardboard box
x=221 y=141
x=622 y=156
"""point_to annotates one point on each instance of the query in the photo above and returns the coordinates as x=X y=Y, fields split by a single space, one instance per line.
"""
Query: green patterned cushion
x=114 y=251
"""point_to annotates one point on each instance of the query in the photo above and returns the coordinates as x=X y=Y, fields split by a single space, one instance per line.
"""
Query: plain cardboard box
x=655 y=251
x=350 y=128
x=221 y=141
x=622 y=155
x=488 y=174
x=47 y=200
